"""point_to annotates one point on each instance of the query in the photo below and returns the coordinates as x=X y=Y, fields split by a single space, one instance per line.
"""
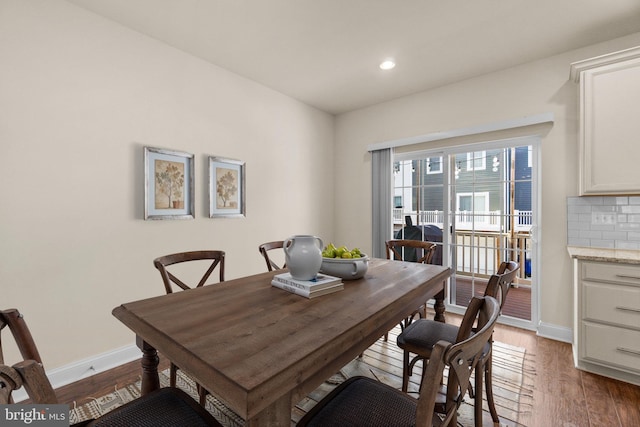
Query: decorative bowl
x=345 y=268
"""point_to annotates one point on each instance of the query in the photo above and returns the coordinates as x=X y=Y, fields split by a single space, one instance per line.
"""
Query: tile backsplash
x=604 y=222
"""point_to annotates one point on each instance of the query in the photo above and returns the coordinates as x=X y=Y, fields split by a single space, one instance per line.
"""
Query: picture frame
x=168 y=184
x=227 y=195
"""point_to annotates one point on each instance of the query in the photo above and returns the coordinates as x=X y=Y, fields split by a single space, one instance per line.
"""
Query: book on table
x=308 y=293
x=321 y=281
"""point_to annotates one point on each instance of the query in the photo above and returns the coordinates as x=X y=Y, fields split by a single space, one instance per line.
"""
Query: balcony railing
x=480 y=253
x=467 y=220
x=481 y=243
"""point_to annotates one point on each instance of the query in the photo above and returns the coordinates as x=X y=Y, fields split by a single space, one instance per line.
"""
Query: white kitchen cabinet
x=609 y=134
x=607 y=319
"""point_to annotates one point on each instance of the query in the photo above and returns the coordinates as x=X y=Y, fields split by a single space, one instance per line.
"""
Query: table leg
x=149 y=361
x=439 y=306
x=278 y=414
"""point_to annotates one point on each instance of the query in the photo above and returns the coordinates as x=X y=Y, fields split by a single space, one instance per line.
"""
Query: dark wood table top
x=258 y=347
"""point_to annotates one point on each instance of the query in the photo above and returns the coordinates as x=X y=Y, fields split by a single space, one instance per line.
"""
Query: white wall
x=530 y=89
x=79 y=98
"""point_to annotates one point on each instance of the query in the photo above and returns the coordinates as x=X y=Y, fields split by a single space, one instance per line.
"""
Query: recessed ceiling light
x=387 y=64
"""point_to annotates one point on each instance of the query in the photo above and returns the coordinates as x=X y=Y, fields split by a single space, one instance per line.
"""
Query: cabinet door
x=611 y=346
x=612 y=304
x=610 y=129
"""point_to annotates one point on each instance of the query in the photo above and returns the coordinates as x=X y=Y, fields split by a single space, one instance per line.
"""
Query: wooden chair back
x=21 y=334
x=500 y=283
x=468 y=350
x=169 y=279
x=265 y=248
x=28 y=372
x=32 y=376
x=164 y=407
x=364 y=401
x=425 y=410
x=411 y=250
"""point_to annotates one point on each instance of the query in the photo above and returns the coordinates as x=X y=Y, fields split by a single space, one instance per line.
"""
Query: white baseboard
x=555 y=332
x=87 y=367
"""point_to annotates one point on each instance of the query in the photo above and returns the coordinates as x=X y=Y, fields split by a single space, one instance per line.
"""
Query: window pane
x=476 y=160
x=434 y=165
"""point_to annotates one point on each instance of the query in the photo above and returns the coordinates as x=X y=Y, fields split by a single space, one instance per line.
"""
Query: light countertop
x=624 y=256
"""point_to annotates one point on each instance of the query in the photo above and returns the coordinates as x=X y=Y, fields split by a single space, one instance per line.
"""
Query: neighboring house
x=481 y=182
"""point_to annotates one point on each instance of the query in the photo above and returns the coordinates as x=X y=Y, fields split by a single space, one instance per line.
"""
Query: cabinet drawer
x=610 y=345
x=615 y=304
x=611 y=272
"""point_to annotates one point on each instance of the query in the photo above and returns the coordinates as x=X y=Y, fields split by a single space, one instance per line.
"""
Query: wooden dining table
x=261 y=349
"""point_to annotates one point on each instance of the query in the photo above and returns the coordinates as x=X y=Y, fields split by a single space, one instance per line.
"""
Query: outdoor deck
x=479 y=252
x=518 y=301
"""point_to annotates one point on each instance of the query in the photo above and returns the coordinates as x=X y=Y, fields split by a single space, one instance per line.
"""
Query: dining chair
x=265 y=248
x=212 y=258
x=362 y=401
x=420 y=337
x=163 y=407
x=170 y=280
x=413 y=251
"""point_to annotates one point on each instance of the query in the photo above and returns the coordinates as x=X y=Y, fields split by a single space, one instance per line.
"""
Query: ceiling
x=326 y=53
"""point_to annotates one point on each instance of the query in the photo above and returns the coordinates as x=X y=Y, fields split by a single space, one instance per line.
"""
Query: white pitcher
x=303 y=256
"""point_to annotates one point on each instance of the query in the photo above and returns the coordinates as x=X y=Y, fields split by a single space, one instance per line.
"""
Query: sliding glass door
x=478 y=206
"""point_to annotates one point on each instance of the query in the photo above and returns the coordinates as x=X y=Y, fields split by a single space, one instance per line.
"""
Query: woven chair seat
x=351 y=404
x=361 y=401
x=166 y=407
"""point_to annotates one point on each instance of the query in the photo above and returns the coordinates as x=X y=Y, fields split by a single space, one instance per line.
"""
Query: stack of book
x=323 y=284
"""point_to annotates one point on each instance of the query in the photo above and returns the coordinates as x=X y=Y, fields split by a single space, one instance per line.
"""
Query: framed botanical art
x=226 y=188
x=168 y=186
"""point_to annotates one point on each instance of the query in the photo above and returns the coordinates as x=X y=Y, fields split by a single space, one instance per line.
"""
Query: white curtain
x=382 y=186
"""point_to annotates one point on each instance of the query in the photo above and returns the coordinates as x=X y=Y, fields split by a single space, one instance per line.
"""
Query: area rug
x=512 y=385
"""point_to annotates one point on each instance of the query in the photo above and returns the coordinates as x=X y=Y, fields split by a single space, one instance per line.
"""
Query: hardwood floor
x=566 y=396
x=83 y=391
x=563 y=395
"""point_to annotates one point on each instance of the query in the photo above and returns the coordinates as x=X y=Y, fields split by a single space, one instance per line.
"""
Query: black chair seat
x=351 y=403
x=422 y=335
x=170 y=407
